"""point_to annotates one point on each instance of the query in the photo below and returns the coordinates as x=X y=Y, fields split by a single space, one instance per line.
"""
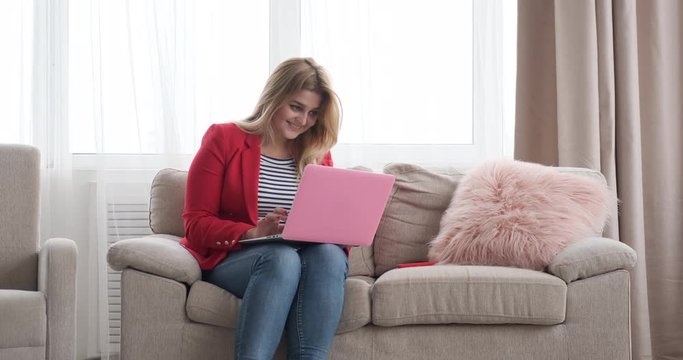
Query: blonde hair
x=289 y=77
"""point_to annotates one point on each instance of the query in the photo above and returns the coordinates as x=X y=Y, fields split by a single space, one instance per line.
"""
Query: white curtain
x=16 y=74
x=31 y=101
x=147 y=79
x=162 y=71
x=111 y=92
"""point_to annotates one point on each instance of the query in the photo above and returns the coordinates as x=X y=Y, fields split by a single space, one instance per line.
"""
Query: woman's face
x=296 y=115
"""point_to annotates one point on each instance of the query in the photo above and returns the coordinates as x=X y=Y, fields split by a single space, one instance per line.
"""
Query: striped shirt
x=277 y=184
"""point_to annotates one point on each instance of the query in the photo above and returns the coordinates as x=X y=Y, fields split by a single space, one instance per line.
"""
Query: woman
x=240 y=185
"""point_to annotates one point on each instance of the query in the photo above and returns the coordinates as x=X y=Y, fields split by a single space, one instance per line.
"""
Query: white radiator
x=127 y=216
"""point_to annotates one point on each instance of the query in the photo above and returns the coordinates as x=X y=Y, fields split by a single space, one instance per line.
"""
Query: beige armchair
x=37 y=283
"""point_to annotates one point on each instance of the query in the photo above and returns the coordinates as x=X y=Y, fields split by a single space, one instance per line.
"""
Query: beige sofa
x=577 y=309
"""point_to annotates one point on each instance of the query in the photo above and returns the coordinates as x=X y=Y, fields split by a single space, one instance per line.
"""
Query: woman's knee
x=326 y=256
x=279 y=260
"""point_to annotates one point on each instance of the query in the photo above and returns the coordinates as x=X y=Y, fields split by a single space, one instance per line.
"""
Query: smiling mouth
x=294 y=126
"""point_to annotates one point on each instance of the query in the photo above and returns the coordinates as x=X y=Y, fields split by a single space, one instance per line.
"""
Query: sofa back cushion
x=19 y=209
x=166 y=203
x=411 y=218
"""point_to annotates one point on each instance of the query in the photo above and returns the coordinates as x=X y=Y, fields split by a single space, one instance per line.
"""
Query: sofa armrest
x=590 y=257
x=57 y=262
x=155 y=255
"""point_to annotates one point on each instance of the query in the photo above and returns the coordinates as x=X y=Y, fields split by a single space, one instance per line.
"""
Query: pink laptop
x=337 y=206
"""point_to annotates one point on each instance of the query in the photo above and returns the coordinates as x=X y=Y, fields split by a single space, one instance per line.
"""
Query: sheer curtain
x=146 y=79
x=32 y=104
x=16 y=71
x=161 y=71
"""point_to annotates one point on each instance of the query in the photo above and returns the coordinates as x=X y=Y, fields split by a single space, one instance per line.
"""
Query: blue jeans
x=290 y=288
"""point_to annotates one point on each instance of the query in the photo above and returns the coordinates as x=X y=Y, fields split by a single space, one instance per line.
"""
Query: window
x=402 y=69
x=420 y=82
x=430 y=82
x=150 y=76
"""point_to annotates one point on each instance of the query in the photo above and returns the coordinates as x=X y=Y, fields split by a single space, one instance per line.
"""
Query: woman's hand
x=269 y=225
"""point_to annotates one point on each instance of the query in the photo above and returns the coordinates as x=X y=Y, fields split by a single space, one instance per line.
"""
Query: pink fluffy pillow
x=512 y=213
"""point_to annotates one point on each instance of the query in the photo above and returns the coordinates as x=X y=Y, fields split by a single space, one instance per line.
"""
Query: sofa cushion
x=361 y=262
x=209 y=304
x=445 y=294
x=20 y=170
x=24 y=319
x=411 y=218
x=166 y=202
x=357 y=304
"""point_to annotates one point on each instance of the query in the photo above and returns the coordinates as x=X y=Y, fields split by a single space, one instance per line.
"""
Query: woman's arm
x=205 y=182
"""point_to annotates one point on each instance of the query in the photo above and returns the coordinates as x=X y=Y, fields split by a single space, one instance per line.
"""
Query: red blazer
x=221 y=198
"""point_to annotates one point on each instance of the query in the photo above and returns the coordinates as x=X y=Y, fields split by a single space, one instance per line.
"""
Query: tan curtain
x=599 y=86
